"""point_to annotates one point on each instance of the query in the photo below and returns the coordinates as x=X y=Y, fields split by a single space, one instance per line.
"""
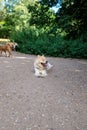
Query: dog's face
x=42 y=60
x=41 y=65
x=13 y=45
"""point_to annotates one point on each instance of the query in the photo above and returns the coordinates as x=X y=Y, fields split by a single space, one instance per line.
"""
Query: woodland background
x=40 y=30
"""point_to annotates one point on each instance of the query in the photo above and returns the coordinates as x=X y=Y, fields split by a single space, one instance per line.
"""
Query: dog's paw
x=49 y=66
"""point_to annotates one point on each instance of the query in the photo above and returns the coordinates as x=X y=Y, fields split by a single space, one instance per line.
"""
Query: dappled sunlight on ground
x=5 y=61
x=4 y=40
x=17 y=57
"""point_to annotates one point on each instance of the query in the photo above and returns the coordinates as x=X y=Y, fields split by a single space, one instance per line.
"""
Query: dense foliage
x=37 y=41
x=73 y=17
x=38 y=30
x=41 y=16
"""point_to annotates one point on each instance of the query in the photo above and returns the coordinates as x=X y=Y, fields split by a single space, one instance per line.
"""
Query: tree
x=1 y=4
x=10 y=4
x=73 y=17
x=21 y=16
x=41 y=15
x=50 y=3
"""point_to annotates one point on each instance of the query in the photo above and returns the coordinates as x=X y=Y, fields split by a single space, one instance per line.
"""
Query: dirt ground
x=56 y=102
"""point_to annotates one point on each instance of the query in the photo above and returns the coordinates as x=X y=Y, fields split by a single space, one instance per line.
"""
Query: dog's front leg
x=10 y=53
x=5 y=53
x=0 y=53
x=37 y=73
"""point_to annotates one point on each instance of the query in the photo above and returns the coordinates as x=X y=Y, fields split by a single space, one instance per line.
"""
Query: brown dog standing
x=6 y=48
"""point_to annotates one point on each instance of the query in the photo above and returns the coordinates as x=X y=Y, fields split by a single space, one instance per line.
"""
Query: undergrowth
x=35 y=41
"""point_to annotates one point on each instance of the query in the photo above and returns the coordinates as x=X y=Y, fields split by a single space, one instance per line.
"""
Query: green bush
x=4 y=32
x=78 y=49
x=34 y=41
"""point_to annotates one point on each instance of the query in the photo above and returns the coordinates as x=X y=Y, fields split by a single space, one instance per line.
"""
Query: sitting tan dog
x=8 y=48
x=41 y=65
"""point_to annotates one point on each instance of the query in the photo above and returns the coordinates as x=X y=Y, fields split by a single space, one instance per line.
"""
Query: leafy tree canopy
x=41 y=15
x=73 y=17
x=51 y=3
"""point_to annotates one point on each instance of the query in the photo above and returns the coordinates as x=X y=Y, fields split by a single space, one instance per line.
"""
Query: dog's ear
x=8 y=44
x=38 y=56
x=16 y=44
x=42 y=55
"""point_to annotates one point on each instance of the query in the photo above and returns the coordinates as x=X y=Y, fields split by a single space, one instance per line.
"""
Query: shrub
x=34 y=41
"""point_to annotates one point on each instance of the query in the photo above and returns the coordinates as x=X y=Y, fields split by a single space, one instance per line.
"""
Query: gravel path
x=57 y=102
